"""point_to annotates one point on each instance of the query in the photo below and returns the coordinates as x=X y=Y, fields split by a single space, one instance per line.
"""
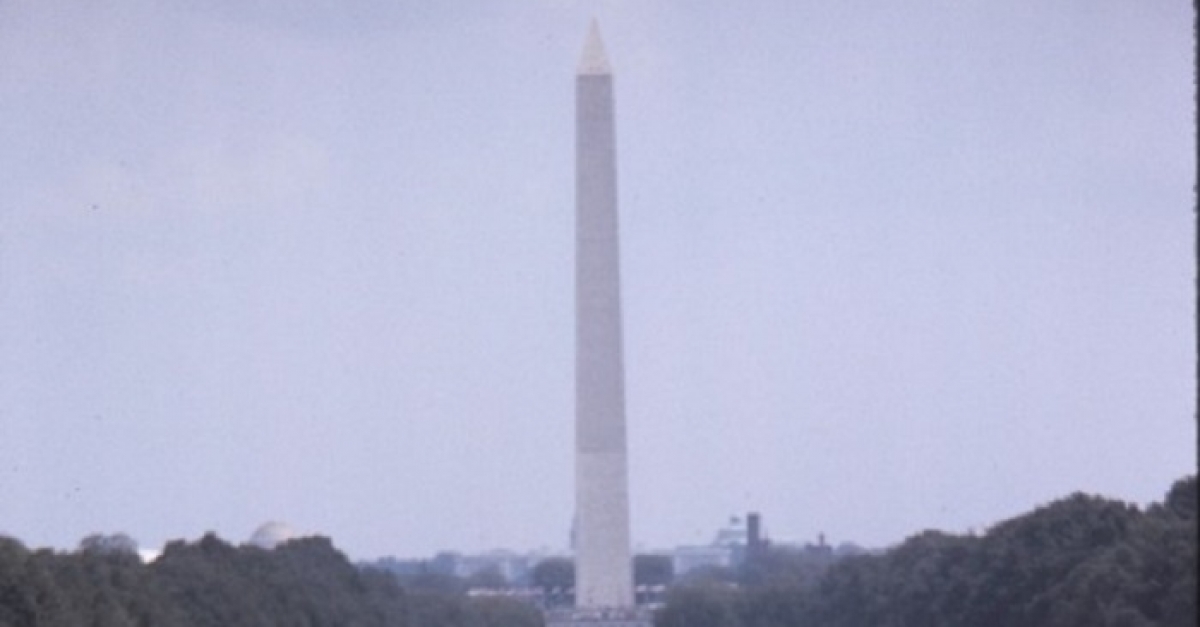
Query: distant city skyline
x=886 y=267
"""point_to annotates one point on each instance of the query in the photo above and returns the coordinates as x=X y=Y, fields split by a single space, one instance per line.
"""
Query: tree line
x=210 y=583
x=1081 y=560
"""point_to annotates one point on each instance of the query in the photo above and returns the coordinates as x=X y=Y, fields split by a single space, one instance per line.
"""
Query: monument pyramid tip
x=593 y=60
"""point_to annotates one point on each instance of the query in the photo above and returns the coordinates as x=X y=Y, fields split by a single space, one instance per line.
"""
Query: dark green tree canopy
x=553 y=573
x=1081 y=560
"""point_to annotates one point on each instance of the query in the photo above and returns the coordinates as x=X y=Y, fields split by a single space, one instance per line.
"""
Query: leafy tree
x=556 y=577
x=701 y=605
x=498 y=611
x=779 y=567
x=433 y=582
x=18 y=603
x=489 y=578
x=711 y=574
x=772 y=607
x=1021 y=559
x=435 y=609
x=652 y=570
x=553 y=573
x=119 y=544
x=1181 y=499
x=1081 y=560
x=851 y=593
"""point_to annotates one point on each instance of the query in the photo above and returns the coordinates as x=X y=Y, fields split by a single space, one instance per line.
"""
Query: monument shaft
x=603 y=571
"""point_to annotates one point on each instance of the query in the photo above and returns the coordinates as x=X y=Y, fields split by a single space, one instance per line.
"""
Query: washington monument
x=603 y=572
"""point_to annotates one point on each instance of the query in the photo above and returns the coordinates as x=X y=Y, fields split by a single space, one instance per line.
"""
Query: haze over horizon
x=885 y=268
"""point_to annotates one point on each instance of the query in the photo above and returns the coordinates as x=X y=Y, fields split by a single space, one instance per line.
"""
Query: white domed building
x=272 y=534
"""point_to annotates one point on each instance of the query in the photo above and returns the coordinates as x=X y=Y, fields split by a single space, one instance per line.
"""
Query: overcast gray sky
x=887 y=266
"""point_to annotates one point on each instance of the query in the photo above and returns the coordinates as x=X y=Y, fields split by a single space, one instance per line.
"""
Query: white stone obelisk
x=603 y=569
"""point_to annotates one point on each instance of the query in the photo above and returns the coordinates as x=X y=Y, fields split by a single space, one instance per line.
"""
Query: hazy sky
x=887 y=266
